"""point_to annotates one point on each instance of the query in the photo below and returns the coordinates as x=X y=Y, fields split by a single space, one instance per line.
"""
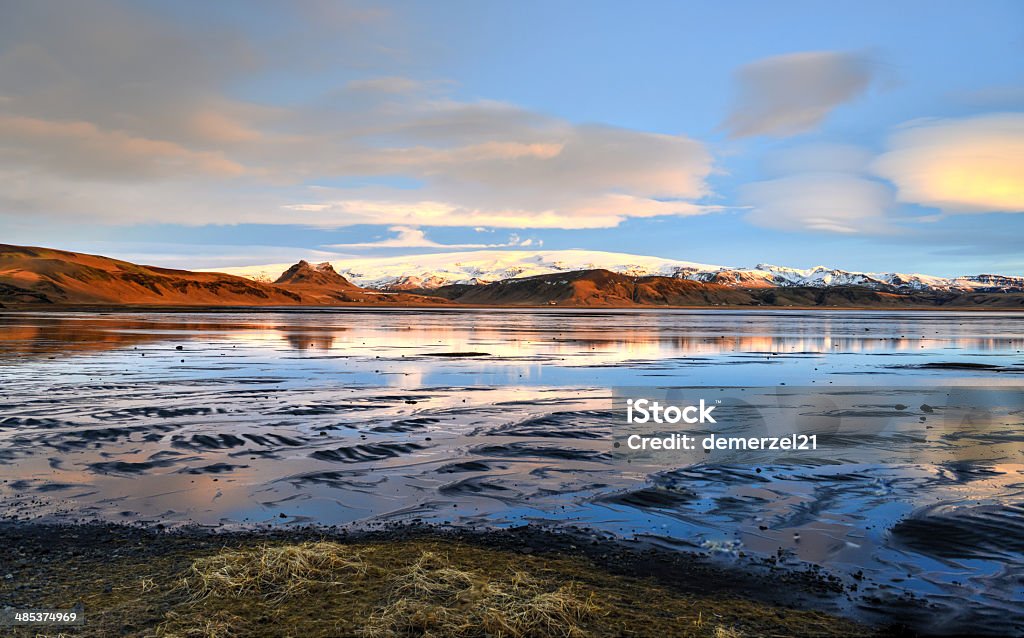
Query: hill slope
x=321 y=285
x=30 y=275
x=319 y=276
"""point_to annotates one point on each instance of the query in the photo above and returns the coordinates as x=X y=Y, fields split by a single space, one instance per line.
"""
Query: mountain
x=598 y=287
x=44 y=276
x=322 y=285
x=482 y=267
x=320 y=276
x=768 y=275
x=595 y=288
x=434 y=271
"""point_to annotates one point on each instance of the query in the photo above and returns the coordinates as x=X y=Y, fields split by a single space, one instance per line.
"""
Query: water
x=495 y=418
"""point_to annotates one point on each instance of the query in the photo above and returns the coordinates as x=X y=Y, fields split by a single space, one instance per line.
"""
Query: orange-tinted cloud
x=969 y=165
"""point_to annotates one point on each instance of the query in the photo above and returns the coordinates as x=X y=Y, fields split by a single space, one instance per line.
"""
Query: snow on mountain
x=818 y=277
x=823 y=276
x=991 y=283
x=484 y=266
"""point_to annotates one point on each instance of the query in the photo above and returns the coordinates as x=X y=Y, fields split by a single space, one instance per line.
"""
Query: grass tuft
x=273 y=572
x=219 y=624
x=432 y=598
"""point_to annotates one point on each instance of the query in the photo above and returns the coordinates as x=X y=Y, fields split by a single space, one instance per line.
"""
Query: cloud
x=81 y=149
x=605 y=211
x=415 y=238
x=969 y=165
x=219 y=127
x=493 y=164
x=127 y=116
x=819 y=188
x=393 y=84
x=789 y=94
x=822 y=202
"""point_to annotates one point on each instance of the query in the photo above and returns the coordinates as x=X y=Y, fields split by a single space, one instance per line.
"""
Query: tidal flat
x=237 y=426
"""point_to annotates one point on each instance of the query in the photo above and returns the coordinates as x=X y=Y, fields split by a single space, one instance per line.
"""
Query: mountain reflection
x=610 y=337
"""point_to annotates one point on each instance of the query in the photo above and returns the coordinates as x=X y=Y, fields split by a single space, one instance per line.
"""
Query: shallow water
x=361 y=417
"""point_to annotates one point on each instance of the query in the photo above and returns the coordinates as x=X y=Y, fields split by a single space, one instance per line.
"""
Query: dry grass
x=273 y=572
x=399 y=589
x=429 y=597
x=432 y=598
x=219 y=624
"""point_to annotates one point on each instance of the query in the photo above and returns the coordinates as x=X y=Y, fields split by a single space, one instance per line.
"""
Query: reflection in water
x=610 y=335
x=346 y=417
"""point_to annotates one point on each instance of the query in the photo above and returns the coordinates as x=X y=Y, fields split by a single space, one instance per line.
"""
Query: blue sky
x=870 y=136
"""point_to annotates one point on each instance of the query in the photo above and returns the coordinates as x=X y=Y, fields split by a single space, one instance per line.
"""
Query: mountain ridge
x=597 y=288
x=436 y=270
x=40 y=277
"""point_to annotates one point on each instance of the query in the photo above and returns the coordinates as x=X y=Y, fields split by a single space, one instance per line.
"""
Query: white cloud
x=789 y=94
x=968 y=165
x=821 y=188
x=605 y=211
x=407 y=237
x=823 y=202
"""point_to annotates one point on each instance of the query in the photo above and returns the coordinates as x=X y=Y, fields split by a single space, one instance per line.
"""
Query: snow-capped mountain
x=484 y=266
x=481 y=267
x=767 y=275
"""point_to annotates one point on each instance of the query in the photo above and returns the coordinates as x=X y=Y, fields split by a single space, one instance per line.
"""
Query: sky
x=872 y=136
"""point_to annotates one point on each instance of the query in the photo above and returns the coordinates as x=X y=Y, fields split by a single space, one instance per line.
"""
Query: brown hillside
x=321 y=275
x=601 y=288
x=44 y=276
x=322 y=285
